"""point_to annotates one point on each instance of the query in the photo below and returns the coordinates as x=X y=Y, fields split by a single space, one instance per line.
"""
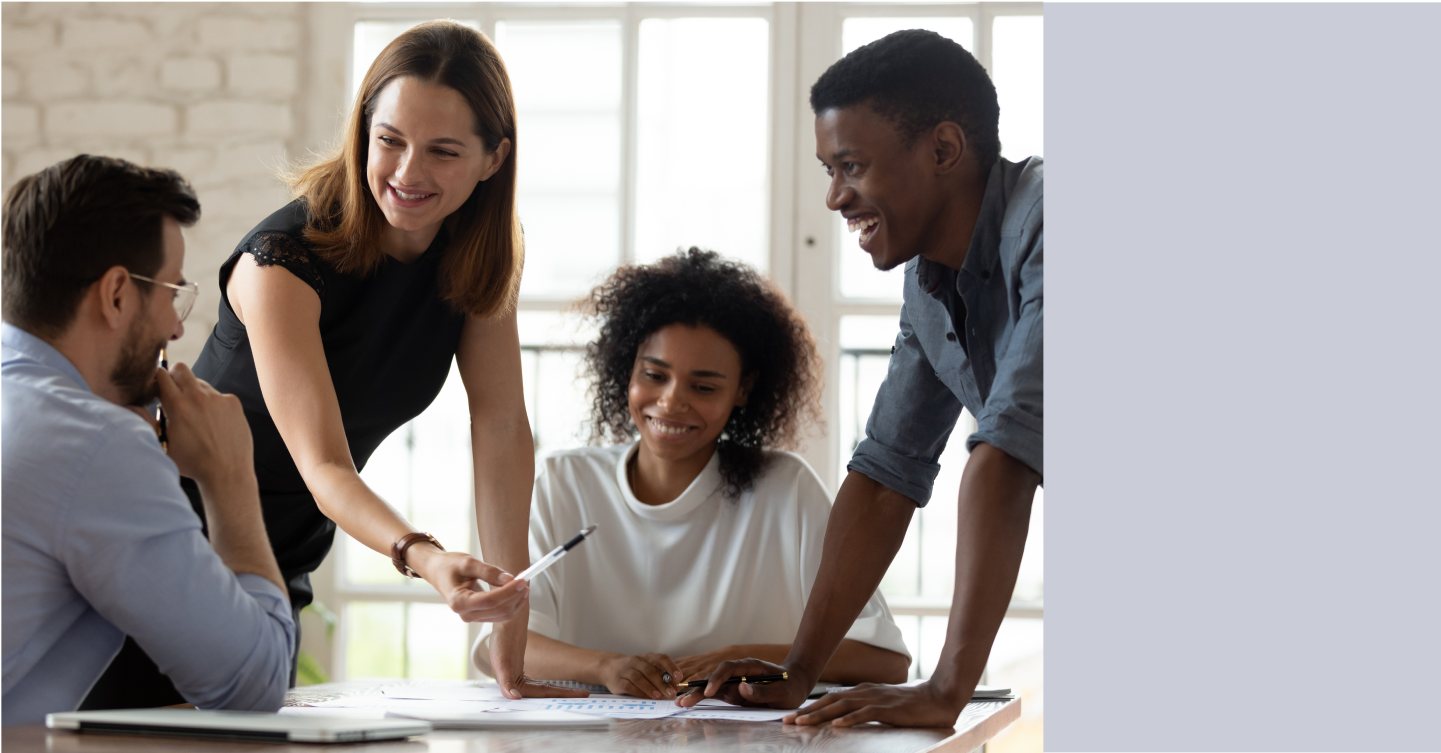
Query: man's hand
x=642 y=676
x=210 y=442
x=208 y=435
x=921 y=705
x=787 y=694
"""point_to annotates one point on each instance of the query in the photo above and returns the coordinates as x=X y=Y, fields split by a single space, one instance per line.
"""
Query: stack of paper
x=600 y=704
x=483 y=706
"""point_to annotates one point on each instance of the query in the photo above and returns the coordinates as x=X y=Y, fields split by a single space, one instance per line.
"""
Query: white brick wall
x=213 y=90
x=216 y=91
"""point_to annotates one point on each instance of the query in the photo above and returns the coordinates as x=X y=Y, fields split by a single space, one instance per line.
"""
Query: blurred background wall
x=218 y=91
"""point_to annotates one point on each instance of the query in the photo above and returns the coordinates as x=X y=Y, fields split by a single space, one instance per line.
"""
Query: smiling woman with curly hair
x=708 y=533
x=780 y=367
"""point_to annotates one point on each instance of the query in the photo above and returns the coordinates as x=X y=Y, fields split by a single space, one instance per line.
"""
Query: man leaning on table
x=907 y=129
x=99 y=540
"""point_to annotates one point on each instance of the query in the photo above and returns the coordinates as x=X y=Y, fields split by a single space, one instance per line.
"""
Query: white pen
x=555 y=554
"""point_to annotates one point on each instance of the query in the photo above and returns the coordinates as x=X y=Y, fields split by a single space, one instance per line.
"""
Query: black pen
x=160 y=411
x=754 y=680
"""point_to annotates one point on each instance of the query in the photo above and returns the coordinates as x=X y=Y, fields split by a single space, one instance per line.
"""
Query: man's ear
x=949 y=143
x=115 y=295
x=748 y=382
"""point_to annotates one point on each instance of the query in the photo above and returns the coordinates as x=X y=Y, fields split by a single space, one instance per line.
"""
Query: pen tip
x=588 y=530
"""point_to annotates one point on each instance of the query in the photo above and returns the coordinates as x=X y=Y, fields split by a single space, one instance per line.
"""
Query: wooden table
x=978 y=723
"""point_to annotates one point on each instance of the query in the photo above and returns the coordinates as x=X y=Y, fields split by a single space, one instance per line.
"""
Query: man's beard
x=134 y=373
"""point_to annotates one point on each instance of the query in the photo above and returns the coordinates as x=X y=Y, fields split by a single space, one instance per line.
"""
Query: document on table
x=487 y=692
x=468 y=706
x=446 y=715
x=598 y=703
x=504 y=719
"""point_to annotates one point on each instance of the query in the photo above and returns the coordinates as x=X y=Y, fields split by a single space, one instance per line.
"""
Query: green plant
x=307 y=669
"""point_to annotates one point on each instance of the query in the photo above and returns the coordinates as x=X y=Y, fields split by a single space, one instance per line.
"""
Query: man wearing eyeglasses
x=100 y=543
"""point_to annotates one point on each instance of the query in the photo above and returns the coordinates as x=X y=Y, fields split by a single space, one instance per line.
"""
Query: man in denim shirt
x=907 y=129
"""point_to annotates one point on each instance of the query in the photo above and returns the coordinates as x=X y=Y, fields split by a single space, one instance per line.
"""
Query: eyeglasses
x=184 y=294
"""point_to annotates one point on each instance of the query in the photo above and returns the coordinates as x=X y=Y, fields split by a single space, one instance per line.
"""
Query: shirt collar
x=985 y=240
x=705 y=486
x=21 y=344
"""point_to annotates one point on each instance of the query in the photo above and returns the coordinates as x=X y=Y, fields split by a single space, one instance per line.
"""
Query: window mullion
x=786 y=103
x=629 y=150
x=985 y=18
x=817 y=42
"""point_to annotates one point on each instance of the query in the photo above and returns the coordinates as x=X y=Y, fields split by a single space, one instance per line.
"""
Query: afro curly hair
x=699 y=289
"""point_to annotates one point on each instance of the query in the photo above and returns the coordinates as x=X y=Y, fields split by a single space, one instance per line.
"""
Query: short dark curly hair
x=917 y=79
x=700 y=289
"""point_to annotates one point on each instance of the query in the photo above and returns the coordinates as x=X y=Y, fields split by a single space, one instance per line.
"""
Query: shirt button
x=951 y=336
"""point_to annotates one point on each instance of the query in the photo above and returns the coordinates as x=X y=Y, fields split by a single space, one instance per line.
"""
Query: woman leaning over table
x=342 y=311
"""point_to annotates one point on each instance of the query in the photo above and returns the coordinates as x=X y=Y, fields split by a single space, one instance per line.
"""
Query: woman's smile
x=410 y=199
x=667 y=429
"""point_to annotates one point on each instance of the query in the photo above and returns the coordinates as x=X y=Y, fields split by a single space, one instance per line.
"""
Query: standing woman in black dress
x=342 y=311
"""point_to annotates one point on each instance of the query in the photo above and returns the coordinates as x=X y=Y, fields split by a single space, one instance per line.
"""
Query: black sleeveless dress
x=388 y=339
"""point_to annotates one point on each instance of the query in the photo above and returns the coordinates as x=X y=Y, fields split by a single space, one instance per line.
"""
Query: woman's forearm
x=504 y=458
x=855 y=662
x=774 y=653
x=550 y=659
x=504 y=461
x=343 y=497
x=502 y=479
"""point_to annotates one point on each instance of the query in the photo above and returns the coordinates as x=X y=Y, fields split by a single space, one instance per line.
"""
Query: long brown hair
x=480 y=273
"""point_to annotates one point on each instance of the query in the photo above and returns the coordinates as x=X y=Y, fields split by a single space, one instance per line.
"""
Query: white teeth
x=409 y=196
x=861 y=223
x=663 y=429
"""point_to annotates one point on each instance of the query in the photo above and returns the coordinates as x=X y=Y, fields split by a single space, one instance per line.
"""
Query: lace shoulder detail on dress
x=283 y=249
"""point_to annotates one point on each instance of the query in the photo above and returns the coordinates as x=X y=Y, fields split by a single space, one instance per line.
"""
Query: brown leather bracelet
x=397 y=551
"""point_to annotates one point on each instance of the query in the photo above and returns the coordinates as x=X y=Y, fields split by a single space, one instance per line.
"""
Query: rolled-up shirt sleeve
x=135 y=552
x=1011 y=420
x=910 y=422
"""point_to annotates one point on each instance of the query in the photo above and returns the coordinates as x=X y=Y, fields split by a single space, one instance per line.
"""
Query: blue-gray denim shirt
x=993 y=368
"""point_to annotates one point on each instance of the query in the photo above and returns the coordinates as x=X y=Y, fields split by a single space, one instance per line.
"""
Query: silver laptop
x=236 y=725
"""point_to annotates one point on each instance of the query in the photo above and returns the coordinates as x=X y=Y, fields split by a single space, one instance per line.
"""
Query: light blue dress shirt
x=100 y=543
x=993 y=366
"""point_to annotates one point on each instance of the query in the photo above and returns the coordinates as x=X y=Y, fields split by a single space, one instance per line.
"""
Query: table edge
x=972 y=738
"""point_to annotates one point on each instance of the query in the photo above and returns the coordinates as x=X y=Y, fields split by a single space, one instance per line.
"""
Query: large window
x=645 y=128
